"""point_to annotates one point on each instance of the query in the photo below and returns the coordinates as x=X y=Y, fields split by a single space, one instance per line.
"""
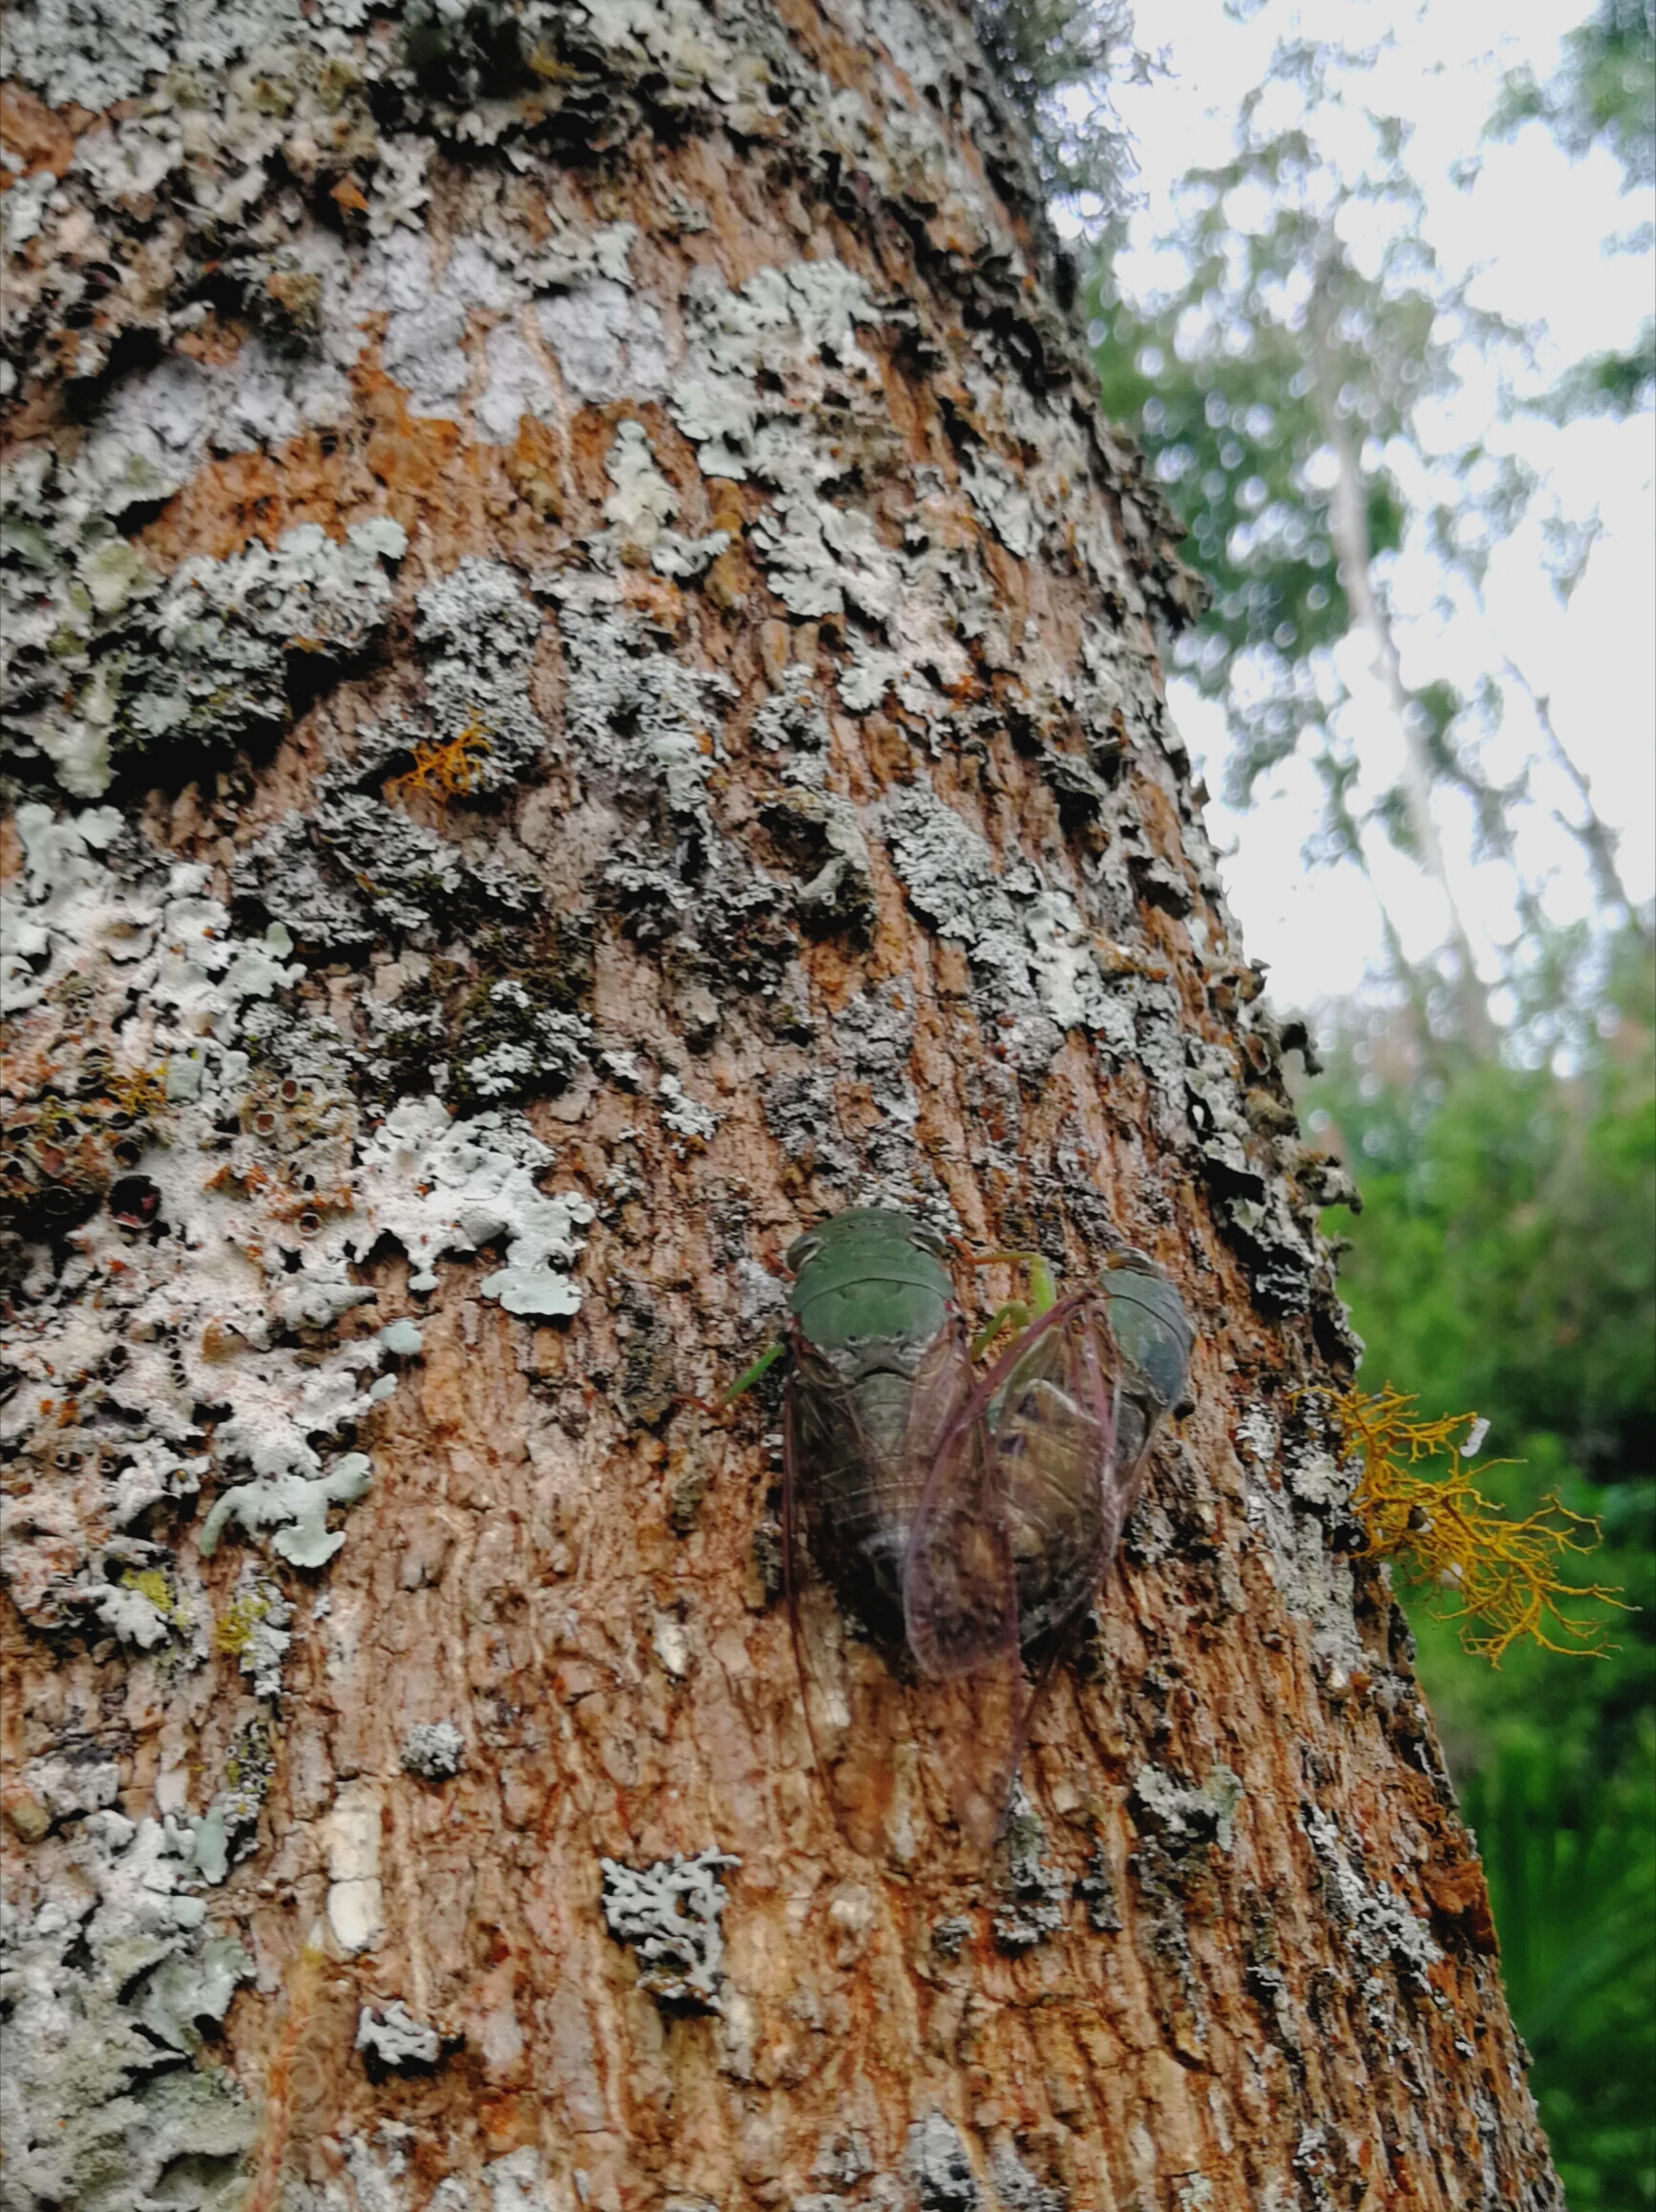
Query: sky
x=1531 y=225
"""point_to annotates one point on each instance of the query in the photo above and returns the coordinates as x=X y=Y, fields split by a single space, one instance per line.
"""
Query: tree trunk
x=581 y=696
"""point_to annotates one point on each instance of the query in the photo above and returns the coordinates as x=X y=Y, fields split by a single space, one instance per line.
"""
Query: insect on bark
x=941 y=1539
x=879 y=1368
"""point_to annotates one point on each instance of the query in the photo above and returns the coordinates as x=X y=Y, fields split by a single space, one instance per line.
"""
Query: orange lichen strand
x=1500 y=1578
x=449 y=769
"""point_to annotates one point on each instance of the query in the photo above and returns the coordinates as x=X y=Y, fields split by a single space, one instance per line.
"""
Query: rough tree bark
x=583 y=692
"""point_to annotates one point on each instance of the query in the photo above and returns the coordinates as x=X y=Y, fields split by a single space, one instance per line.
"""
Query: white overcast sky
x=1532 y=224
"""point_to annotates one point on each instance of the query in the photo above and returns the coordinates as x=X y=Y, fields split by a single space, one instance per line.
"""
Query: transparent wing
x=960 y=1594
x=1151 y=1328
x=1153 y=1339
x=1025 y=1505
x=1011 y=1523
x=1054 y=1417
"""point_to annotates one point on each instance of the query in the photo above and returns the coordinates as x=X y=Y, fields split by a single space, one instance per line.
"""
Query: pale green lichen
x=101 y=2104
x=295 y=1508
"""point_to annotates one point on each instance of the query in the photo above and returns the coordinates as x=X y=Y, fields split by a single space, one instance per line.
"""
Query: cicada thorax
x=860 y=1481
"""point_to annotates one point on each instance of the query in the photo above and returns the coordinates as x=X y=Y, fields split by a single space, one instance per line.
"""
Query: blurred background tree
x=1352 y=438
x=1321 y=396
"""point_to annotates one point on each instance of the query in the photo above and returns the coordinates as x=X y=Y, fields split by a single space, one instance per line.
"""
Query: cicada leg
x=1017 y=1312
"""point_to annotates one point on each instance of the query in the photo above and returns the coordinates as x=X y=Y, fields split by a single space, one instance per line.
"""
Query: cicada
x=879 y=1370
x=1033 y=1482
x=941 y=1538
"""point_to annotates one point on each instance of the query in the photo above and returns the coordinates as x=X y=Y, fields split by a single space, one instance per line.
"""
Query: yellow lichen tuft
x=449 y=769
x=1499 y=1578
x=152 y=1583
x=234 y=1633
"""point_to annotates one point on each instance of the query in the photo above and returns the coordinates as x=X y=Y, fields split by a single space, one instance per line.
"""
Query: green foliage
x=1233 y=435
x=1296 y=369
x=1617 y=384
x=1571 y=1861
x=1506 y=1259
x=1280 y=359
x=1605 y=92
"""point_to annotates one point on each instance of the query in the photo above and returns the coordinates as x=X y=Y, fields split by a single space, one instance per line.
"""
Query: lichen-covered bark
x=580 y=692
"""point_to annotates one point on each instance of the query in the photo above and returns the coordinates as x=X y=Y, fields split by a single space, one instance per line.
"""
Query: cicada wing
x=943 y=1385
x=1152 y=1329
x=961 y=1618
x=959 y=1597
x=1144 y=1340
x=1013 y=1531
x=1052 y=1414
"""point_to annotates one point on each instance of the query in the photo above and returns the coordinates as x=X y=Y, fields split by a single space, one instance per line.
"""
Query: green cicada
x=940 y=1538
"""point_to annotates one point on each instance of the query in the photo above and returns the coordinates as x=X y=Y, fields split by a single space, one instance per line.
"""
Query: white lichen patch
x=1027 y=941
x=1377 y=1926
x=100 y=2103
x=640 y=509
x=643 y=720
x=392 y=2041
x=104 y=660
x=1184 y=1817
x=427 y=306
x=434 y=1750
x=439 y=1185
x=669 y=1913
x=940 y=2166
x=1252 y=1201
x=227 y=1274
x=1315 y=1582
x=683 y=1115
x=754 y=395
x=609 y=343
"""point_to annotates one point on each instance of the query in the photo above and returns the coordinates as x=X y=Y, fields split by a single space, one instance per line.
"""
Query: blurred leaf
x=1604 y=91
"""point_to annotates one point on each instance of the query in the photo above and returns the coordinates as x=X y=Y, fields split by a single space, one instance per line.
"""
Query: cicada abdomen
x=1034 y=1479
x=879 y=1370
